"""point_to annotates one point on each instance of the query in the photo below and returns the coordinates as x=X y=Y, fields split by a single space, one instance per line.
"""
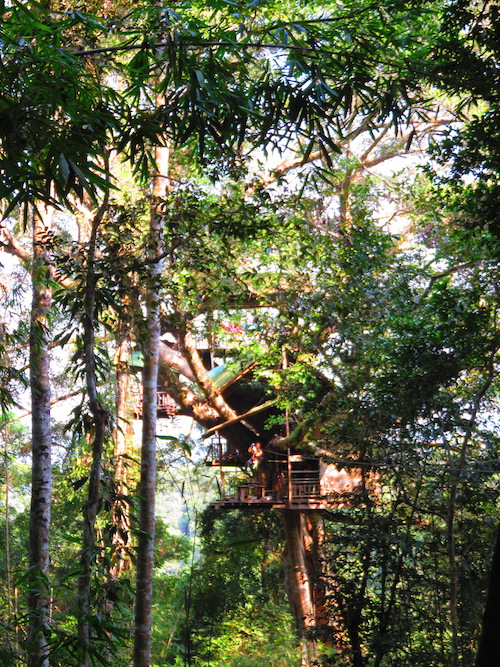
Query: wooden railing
x=165 y=405
x=300 y=491
x=305 y=489
x=251 y=491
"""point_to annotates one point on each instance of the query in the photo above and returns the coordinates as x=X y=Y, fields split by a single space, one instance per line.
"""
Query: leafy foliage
x=224 y=86
x=390 y=349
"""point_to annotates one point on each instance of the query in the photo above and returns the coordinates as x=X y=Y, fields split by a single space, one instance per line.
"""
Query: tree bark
x=100 y=420
x=299 y=585
x=213 y=395
x=189 y=403
x=174 y=360
x=314 y=538
x=147 y=484
x=41 y=476
x=124 y=437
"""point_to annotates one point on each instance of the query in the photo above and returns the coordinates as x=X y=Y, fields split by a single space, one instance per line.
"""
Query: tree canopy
x=300 y=196
x=231 y=78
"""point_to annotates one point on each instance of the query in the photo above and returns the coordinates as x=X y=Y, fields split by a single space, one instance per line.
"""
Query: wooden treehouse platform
x=256 y=496
x=165 y=406
x=287 y=481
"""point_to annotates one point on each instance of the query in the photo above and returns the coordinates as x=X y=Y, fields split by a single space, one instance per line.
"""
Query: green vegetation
x=284 y=218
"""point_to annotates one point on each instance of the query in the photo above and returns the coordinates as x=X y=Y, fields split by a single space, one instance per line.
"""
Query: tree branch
x=190 y=404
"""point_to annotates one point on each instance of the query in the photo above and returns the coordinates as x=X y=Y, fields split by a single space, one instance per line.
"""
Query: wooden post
x=289 y=476
x=222 y=475
x=284 y=363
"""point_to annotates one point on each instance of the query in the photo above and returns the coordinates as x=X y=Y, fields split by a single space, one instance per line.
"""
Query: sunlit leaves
x=54 y=120
x=226 y=87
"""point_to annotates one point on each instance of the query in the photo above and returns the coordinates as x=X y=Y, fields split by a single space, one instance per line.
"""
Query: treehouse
x=165 y=405
x=281 y=478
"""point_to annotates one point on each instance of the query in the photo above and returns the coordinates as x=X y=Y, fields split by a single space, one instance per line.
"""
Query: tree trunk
x=41 y=476
x=200 y=373
x=7 y=523
x=89 y=541
x=100 y=420
x=314 y=538
x=489 y=643
x=299 y=584
x=124 y=438
x=147 y=484
x=189 y=403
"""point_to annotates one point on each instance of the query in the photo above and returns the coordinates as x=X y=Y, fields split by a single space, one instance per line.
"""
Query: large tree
x=41 y=482
x=232 y=80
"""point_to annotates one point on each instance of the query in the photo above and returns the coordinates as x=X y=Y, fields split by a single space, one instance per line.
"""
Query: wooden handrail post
x=289 y=475
x=222 y=475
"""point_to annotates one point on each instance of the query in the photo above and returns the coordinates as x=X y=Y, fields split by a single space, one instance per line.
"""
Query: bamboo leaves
x=226 y=86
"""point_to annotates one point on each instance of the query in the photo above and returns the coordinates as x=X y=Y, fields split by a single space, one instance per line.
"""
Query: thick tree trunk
x=89 y=540
x=299 y=582
x=172 y=359
x=314 y=539
x=200 y=373
x=189 y=403
x=147 y=484
x=41 y=477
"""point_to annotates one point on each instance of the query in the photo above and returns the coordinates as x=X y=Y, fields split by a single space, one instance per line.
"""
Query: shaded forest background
x=313 y=186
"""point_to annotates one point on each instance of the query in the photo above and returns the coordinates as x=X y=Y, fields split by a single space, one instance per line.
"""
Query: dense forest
x=249 y=369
